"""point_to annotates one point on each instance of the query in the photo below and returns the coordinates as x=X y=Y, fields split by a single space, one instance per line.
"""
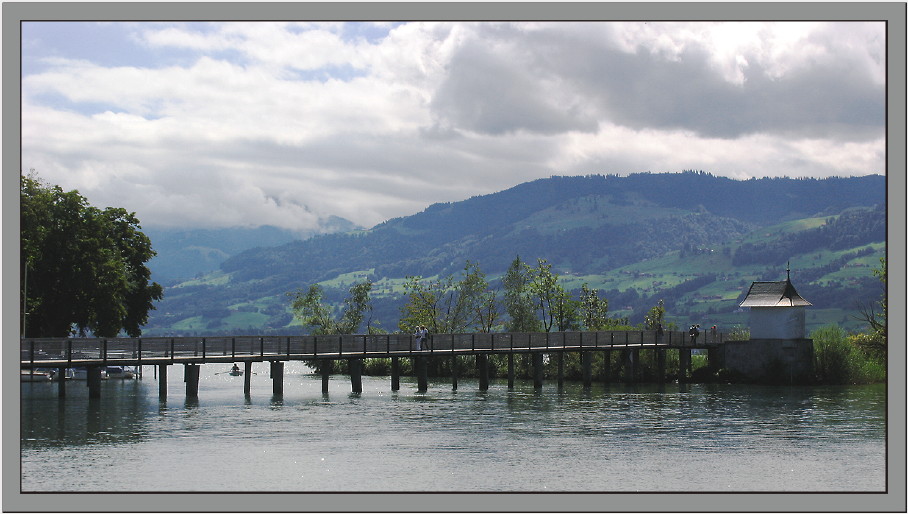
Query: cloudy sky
x=225 y=124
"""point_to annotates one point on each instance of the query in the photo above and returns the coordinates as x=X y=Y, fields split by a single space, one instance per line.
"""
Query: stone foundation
x=787 y=361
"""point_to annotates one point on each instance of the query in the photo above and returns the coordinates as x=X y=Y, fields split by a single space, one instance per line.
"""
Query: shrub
x=739 y=333
x=837 y=360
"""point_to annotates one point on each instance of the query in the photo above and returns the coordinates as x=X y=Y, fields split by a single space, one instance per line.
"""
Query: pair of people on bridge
x=421 y=336
x=693 y=333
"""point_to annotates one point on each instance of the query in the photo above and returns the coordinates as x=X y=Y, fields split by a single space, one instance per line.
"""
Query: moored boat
x=119 y=372
x=35 y=375
x=82 y=374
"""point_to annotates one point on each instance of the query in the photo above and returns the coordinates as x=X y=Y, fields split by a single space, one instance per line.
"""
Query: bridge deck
x=77 y=352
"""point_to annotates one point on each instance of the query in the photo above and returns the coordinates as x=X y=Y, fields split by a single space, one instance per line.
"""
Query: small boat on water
x=235 y=372
x=82 y=374
x=36 y=375
x=120 y=372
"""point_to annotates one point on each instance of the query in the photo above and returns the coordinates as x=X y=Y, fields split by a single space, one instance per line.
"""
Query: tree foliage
x=312 y=311
x=656 y=317
x=82 y=269
x=548 y=293
x=450 y=305
x=874 y=342
x=518 y=298
x=593 y=309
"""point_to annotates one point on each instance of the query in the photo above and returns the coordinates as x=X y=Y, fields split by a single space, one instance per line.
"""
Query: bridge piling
x=660 y=364
x=537 y=370
x=586 y=363
x=356 y=375
x=684 y=364
x=277 y=378
x=61 y=382
x=191 y=377
x=93 y=381
x=162 y=381
x=510 y=371
x=560 y=371
x=454 y=373
x=247 y=379
x=482 y=361
x=421 y=368
x=395 y=373
x=636 y=368
x=326 y=366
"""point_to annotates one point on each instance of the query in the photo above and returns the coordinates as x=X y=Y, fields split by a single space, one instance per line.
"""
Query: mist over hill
x=591 y=227
x=185 y=254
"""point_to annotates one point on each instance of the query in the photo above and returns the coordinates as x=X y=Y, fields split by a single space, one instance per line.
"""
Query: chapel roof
x=773 y=294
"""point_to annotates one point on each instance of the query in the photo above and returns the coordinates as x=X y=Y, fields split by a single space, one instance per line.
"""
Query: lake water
x=613 y=437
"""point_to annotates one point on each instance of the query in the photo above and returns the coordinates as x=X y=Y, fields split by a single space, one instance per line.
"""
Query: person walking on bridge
x=693 y=333
x=424 y=337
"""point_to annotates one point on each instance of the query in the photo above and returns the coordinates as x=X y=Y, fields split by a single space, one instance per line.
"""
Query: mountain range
x=186 y=254
x=695 y=240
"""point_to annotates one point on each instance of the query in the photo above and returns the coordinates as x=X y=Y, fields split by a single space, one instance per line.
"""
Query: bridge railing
x=149 y=348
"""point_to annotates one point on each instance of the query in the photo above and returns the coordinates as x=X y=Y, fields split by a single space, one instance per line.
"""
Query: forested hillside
x=692 y=238
x=183 y=254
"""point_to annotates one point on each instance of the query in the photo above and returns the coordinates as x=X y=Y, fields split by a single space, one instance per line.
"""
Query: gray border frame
x=893 y=501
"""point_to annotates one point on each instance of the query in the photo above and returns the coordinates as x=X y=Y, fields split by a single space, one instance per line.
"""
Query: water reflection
x=498 y=440
x=48 y=420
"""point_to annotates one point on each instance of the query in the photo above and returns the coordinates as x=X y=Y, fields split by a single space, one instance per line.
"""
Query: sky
x=210 y=125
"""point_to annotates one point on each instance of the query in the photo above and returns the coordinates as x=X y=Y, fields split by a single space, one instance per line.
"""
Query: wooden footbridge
x=191 y=352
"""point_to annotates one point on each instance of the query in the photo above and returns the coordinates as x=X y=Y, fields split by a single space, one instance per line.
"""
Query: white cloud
x=284 y=124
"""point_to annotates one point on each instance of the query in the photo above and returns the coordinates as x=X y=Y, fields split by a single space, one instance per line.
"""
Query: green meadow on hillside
x=636 y=239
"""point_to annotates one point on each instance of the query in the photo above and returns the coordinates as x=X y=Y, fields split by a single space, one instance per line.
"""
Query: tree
x=565 y=311
x=518 y=298
x=544 y=287
x=488 y=311
x=82 y=268
x=875 y=341
x=593 y=309
x=311 y=310
x=447 y=305
x=554 y=305
x=655 y=317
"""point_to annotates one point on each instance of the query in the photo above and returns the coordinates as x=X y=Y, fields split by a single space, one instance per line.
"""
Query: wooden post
x=537 y=370
x=607 y=366
x=586 y=363
x=482 y=360
x=625 y=364
x=395 y=373
x=422 y=378
x=191 y=377
x=327 y=365
x=560 y=371
x=660 y=363
x=684 y=363
x=162 y=381
x=635 y=365
x=61 y=382
x=277 y=377
x=356 y=375
x=94 y=381
x=510 y=371
x=247 y=379
x=454 y=372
